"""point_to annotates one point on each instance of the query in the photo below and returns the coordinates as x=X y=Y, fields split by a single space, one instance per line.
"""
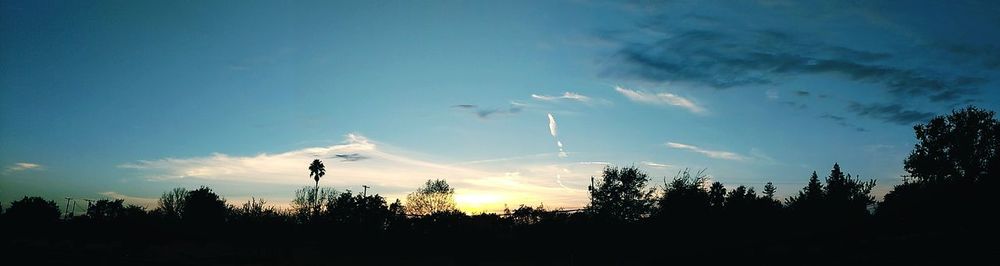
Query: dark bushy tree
x=621 y=195
x=717 y=195
x=32 y=211
x=171 y=204
x=359 y=211
x=202 y=206
x=962 y=146
x=952 y=172
x=685 y=195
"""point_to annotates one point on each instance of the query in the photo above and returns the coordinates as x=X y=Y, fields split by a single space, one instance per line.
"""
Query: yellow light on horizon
x=479 y=202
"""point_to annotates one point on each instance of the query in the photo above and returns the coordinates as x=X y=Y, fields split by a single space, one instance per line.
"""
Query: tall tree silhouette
x=621 y=194
x=317 y=170
x=846 y=195
x=434 y=197
x=769 y=190
x=809 y=198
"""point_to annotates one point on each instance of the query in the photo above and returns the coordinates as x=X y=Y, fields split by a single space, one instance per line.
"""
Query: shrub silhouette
x=256 y=212
x=32 y=211
x=686 y=196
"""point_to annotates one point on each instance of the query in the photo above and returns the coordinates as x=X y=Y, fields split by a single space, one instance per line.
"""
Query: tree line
x=945 y=197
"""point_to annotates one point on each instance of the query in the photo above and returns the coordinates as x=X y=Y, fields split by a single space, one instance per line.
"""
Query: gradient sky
x=513 y=103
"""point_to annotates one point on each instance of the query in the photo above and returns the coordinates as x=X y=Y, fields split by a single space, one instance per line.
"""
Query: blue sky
x=129 y=99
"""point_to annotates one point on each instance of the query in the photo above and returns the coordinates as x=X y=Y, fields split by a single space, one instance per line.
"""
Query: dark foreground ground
x=678 y=244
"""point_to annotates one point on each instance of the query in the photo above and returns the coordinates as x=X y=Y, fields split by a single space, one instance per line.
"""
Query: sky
x=519 y=102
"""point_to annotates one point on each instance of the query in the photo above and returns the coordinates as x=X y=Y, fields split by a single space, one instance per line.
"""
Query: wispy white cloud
x=761 y=156
x=661 y=98
x=553 y=130
x=392 y=172
x=149 y=203
x=656 y=165
x=17 y=167
x=710 y=153
x=566 y=96
x=771 y=94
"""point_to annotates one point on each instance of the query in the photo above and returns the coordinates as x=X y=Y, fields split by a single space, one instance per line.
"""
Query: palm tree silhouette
x=317 y=170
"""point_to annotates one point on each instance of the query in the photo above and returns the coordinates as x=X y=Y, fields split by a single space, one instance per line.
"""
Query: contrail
x=553 y=129
x=552 y=125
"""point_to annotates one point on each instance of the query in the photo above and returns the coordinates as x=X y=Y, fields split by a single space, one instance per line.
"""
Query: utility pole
x=67 y=207
x=365 y=193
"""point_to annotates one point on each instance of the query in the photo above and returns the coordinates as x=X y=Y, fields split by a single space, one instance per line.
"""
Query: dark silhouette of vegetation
x=434 y=197
x=941 y=214
x=115 y=211
x=841 y=197
x=32 y=210
x=171 y=204
x=202 y=206
x=952 y=173
x=621 y=194
x=309 y=202
x=317 y=170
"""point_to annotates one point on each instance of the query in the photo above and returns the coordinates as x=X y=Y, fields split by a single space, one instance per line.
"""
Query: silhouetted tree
x=841 y=197
x=962 y=146
x=769 y=190
x=359 y=211
x=621 y=195
x=309 y=202
x=809 y=198
x=202 y=206
x=685 y=195
x=435 y=196
x=845 y=195
x=952 y=172
x=316 y=171
x=171 y=204
x=106 y=210
x=526 y=215
x=32 y=211
x=717 y=195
